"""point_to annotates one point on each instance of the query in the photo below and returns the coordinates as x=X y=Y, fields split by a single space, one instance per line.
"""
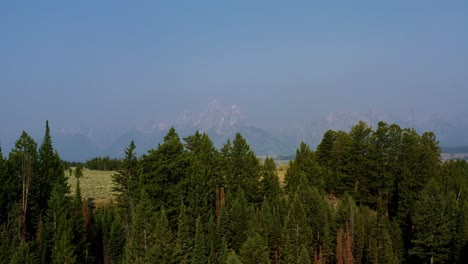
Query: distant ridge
x=452 y=150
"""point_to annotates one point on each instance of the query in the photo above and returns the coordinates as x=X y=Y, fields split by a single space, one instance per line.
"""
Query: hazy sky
x=118 y=64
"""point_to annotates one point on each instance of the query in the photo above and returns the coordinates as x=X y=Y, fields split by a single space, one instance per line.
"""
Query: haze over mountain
x=221 y=122
x=103 y=72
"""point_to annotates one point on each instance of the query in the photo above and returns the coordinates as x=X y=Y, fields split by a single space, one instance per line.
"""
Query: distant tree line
x=69 y=164
x=103 y=164
x=364 y=196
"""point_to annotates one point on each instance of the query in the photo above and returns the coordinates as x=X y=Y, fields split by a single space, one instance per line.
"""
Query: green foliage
x=64 y=250
x=22 y=254
x=365 y=196
x=22 y=182
x=164 y=173
x=244 y=169
x=162 y=249
x=78 y=171
x=255 y=250
x=142 y=233
x=296 y=231
x=184 y=241
x=199 y=252
x=126 y=180
x=232 y=258
x=239 y=218
x=304 y=167
x=103 y=164
x=270 y=187
x=434 y=224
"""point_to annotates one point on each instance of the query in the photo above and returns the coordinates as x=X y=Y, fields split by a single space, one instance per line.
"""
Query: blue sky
x=118 y=64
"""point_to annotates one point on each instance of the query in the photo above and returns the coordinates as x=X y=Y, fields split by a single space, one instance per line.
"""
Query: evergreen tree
x=200 y=196
x=255 y=250
x=126 y=179
x=296 y=231
x=162 y=249
x=382 y=164
x=239 y=218
x=273 y=225
x=232 y=258
x=79 y=171
x=245 y=169
x=360 y=161
x=318 y=215
x=59 y=205
x=83 y=254
x=205 y=175
x=304 y=257
x=9 y=235
x=270 y=187
x=22 y=170
x=184 y=241
x=164 y=174
x=434 y=225
x=22 y=254
x=50 y=169
x=224 y=252
x=198 y=252
x=64 y=251
x=142 y=233
x=304 y=166
x=4 y=205
x=341 y=181
x=117 y=241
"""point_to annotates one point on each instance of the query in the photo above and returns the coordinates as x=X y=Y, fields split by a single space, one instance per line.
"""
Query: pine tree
x=64 y=250
x=296 y=231
x=198 y=252
x=126 y=179
x=270 y=188
x=205 y=175
x=164 y=175
x=359 y=163
x=303 y=166
x=59 y=205
x=434 y=225
x=304 y=257
x=255 y=250
x=3 y=190
x=224 y=252
x=22 y=171
x=245 y=169
x=50 y=169
x=142 y=234
x=238 y=221
x=22 y=254
x=184 y=241
x=80 y=242
x=200 y=196
x=117 y=241
x=341 y=181
x=162 y=249
x=273 y=225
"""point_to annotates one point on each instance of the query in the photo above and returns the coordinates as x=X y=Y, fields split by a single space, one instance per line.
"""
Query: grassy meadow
x=94 y=184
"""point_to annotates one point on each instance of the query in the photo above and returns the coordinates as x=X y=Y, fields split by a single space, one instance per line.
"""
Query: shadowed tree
x=199 y=252
x=50 y=168
x=22 y=170
x=164 y=174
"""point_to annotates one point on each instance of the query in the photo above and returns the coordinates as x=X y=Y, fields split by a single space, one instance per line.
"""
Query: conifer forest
x=368 y=195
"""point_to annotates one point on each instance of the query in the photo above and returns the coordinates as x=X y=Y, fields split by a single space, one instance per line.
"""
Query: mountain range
x=222 y=122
